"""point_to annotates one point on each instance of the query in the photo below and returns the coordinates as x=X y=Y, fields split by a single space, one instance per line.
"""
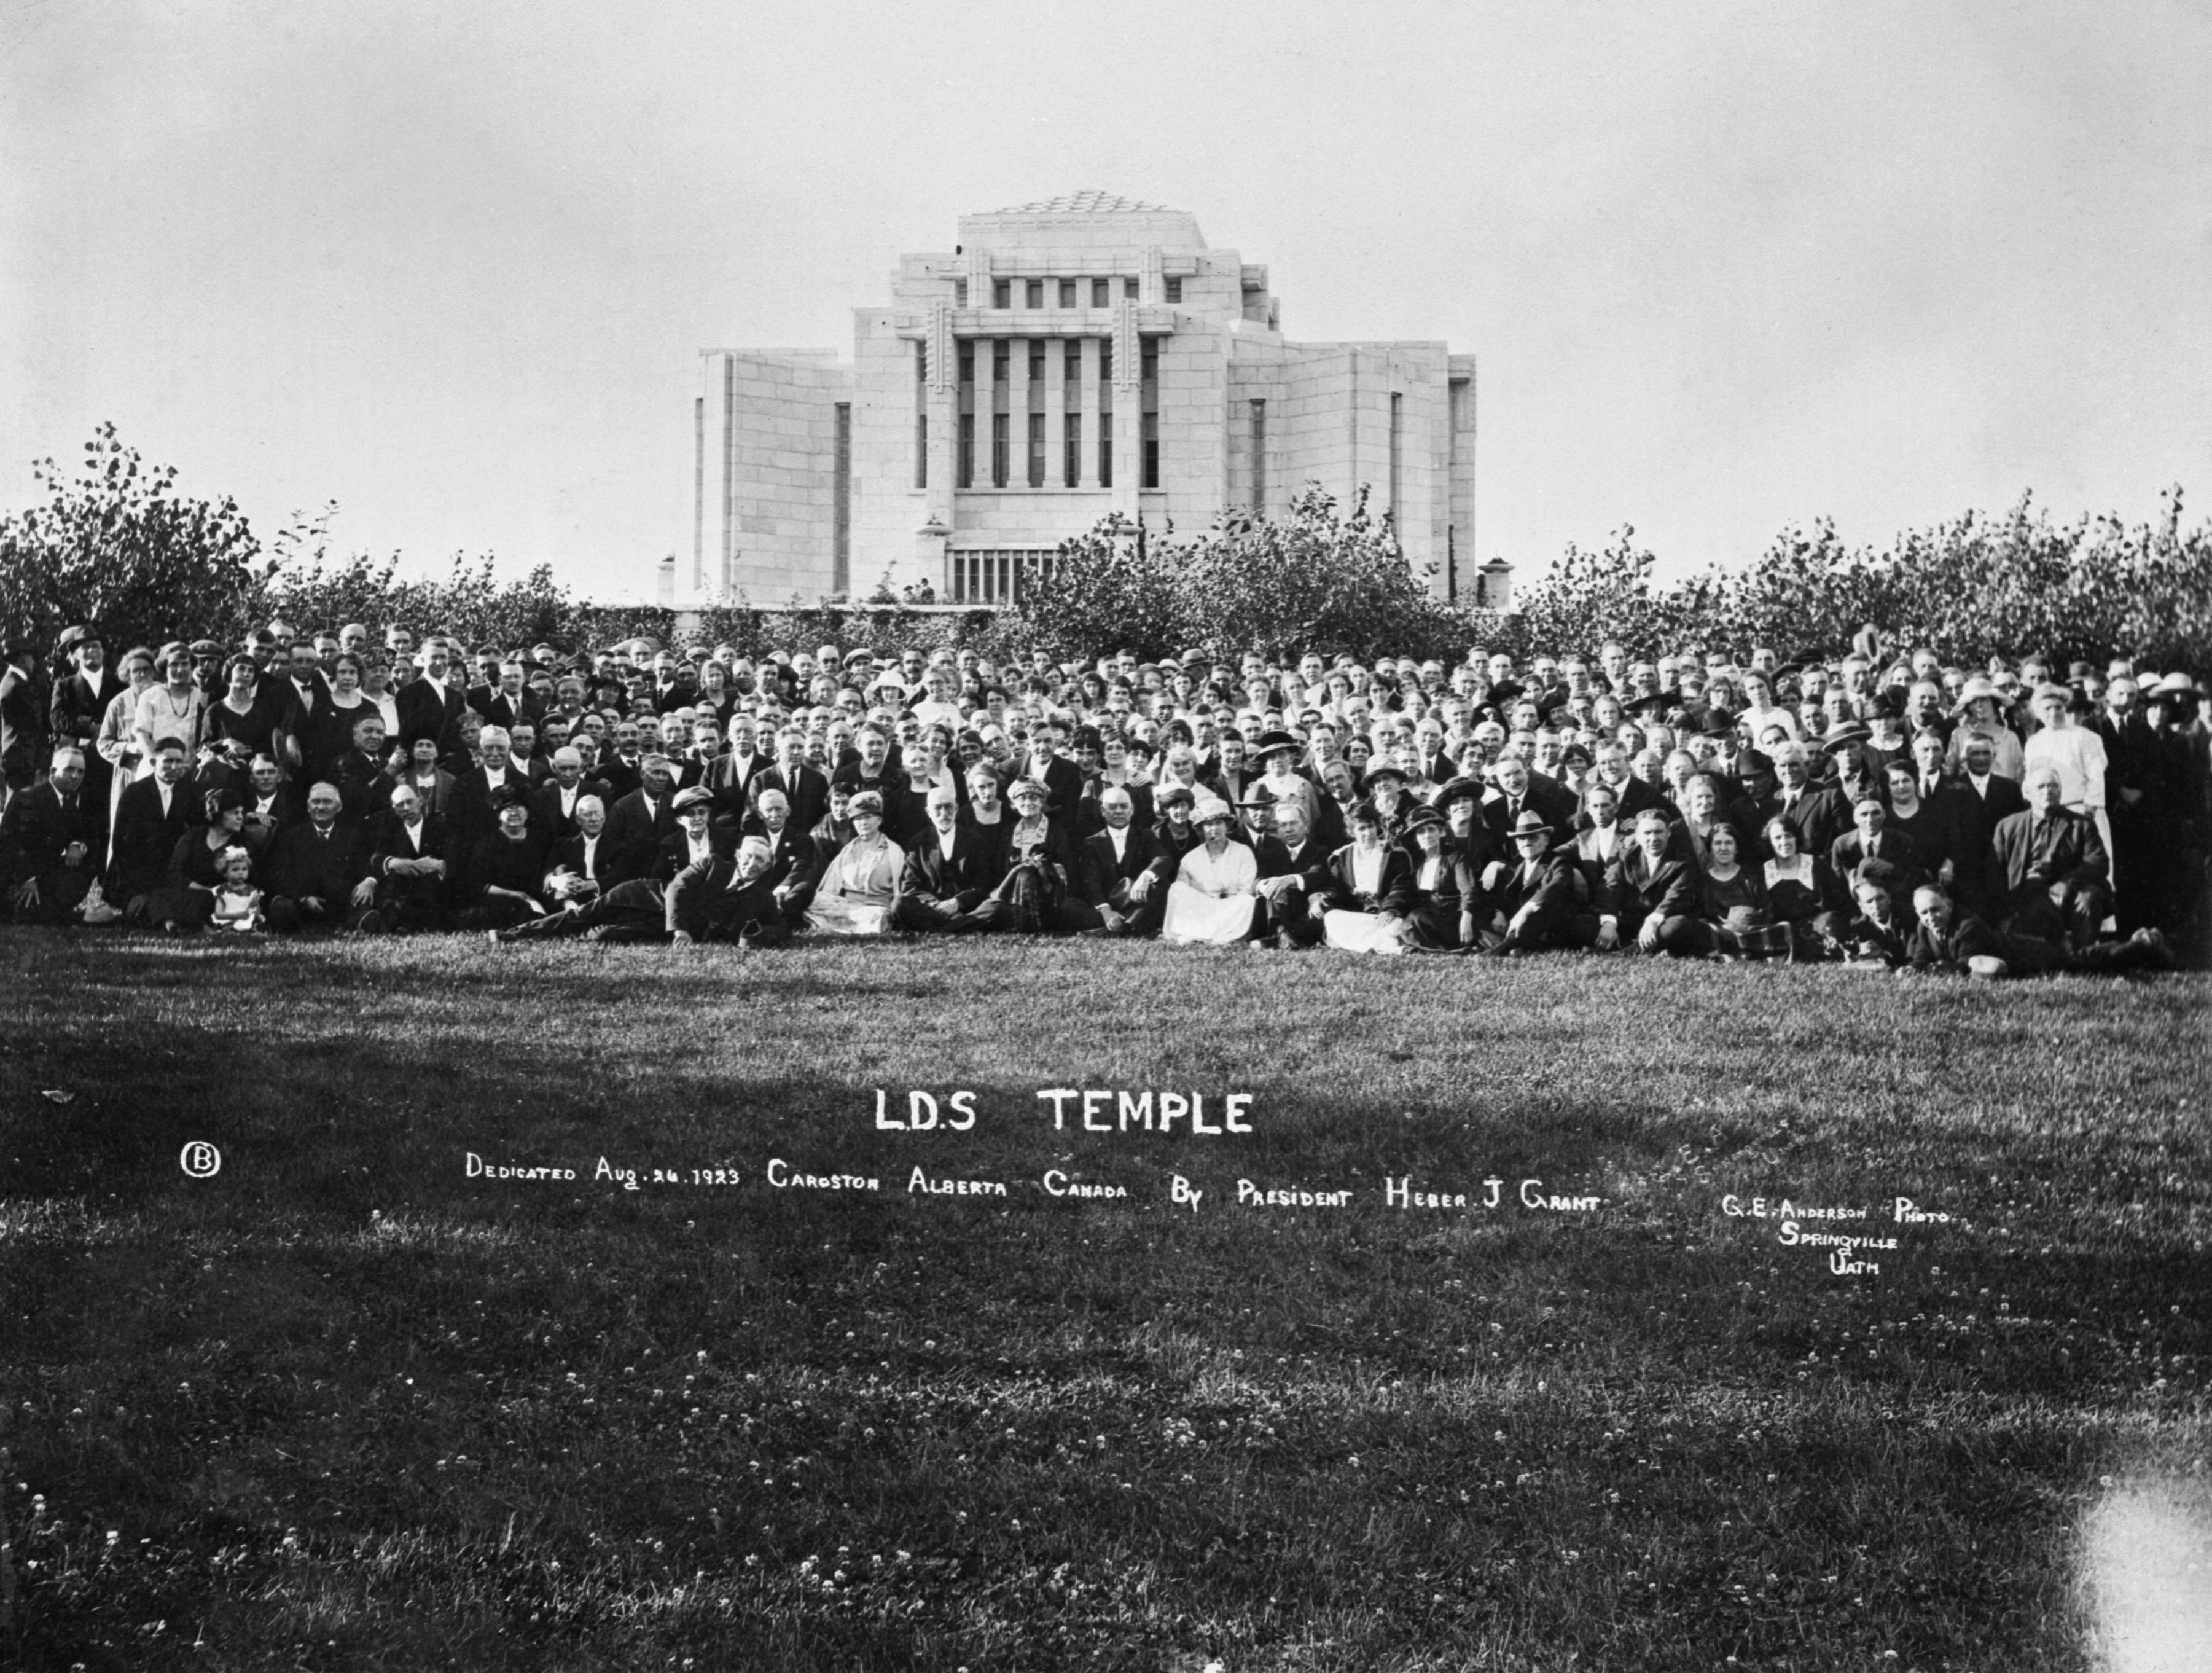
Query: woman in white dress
x=118 y=742
x=173 y=710
x=1212 y=899
x=860 y=887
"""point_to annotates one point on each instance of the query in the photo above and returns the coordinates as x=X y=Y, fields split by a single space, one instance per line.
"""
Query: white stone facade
x=1067 y=359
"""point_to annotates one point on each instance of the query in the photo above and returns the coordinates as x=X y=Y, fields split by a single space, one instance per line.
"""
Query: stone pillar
x=1129 y=425
x=1018 y=412
x=1087 y=456
x=1055 y=411
x=943 y=397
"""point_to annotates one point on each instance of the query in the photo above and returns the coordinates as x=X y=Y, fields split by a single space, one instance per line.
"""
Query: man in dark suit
x=1293 y=875
x=585 y=864
x=1061 y=778
x=304 y=695
x=1631 y=795
x=553 y=804
x=472 y=818
x=1122 y=870
x=2051 y=869
x=318 y=875
x=805 y=790
x=364 y=786
x=639 y=823
x=79 y=706
x=410 y=866
x=1599 y=844
x=430 y=706
x=951 y=871
x=1871 y=838
x=1514 y=794
x=1533 y=902
x=794 y=858
x=51 y=839
x=1981 y=800
x=727 y=899
x=1650 y=899
x=23 y=705
x=150 y=817
x=1818 y=816
x=730 y=776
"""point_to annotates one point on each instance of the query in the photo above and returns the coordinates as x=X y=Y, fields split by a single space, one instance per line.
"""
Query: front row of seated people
x=1450 y=875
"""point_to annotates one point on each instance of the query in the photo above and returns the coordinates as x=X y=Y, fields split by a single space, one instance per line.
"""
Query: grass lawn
x=343 y=1405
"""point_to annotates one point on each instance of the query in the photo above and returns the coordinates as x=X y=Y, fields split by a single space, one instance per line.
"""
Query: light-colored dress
x=1197 y=909
x=159 y=715
x=859 y=890
x=1364 y=932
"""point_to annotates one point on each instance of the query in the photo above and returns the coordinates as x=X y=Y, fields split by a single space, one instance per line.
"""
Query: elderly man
x=553 y=804
x=951 y=870
x=2077 y=754
x=1122 y=870
x=727 y=900
x=1948 y=939
x=51 y=840
x=318 y=875
x=639 y=823
x=1533 y=901
x=410 y=866
x=2050 y=867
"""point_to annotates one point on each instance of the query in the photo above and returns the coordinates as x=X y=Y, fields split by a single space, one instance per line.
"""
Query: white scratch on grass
x=2148 y=1552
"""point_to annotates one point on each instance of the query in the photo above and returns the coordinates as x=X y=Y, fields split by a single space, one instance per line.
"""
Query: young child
x=238 y=902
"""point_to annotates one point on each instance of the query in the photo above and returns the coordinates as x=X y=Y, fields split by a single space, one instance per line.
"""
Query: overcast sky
x=1725 y=266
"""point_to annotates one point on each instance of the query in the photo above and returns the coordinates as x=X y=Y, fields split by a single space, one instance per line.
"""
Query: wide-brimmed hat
x=1421 y=818
x=1844 y=734
x=1211 y=808
x=1386 y=770
x=1976 y=688
x=2175 y=684
x=1270 y=742
x=1531 y=824
x=1458 y=789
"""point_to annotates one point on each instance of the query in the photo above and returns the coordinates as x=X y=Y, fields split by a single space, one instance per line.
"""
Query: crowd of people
x=1878 y=807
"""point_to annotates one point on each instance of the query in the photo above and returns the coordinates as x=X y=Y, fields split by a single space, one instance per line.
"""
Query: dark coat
x=145 y=837
x=1098 y=870
x=1635 y=889
x=304 y=864
x=1393 y=898
x=37 y=828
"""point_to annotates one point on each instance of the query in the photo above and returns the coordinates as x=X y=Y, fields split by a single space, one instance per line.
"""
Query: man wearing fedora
x=1534 y=900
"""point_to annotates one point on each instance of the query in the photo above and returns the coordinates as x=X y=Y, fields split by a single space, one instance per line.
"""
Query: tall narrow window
x=1105 y=412
x=1002 y=293
x=1067 y=293
x=1148 y=383
x=1260 y=456
x=964 y=475
x=998 y=449
x=1037 y=450
x=1098 y=292
x=1033 y=293
x=1175 y=290
x=1070 y=461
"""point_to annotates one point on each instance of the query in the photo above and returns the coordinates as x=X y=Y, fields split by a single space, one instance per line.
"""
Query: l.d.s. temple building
x=1065 y=360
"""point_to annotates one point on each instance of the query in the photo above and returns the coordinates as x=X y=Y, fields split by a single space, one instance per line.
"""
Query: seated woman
x=1736 y=900
x=1177 y=835
x=186 y=901
x=1371 y=889
x=1446 y=890
x=1212 y=897
x=860 y=888
x=504 y=882
x=1040 y=867
x=1799 y=890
